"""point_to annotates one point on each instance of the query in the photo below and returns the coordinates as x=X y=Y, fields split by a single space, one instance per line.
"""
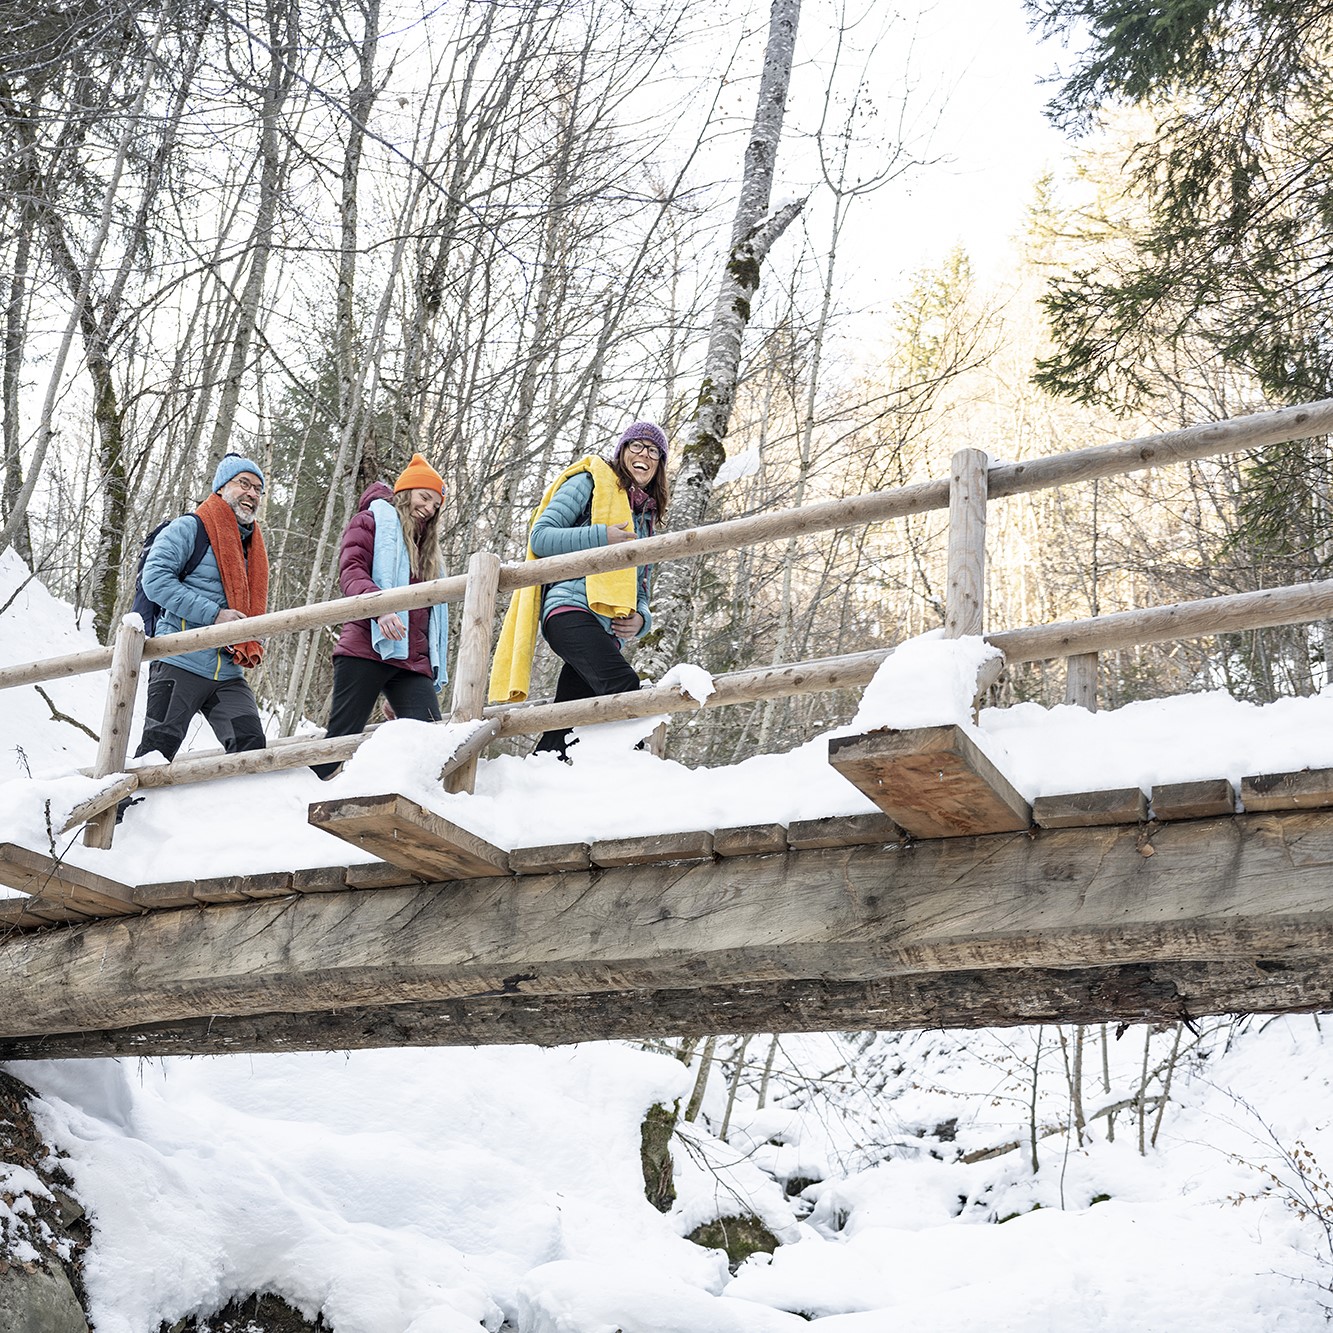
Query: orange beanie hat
x=419 y=473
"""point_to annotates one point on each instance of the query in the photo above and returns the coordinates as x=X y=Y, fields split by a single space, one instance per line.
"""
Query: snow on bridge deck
x=958 y=905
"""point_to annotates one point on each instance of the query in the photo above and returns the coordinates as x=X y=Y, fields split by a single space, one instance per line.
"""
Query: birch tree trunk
x=753 y=234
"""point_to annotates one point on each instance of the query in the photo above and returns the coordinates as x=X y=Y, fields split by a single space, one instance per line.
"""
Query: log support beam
x=1199 y=916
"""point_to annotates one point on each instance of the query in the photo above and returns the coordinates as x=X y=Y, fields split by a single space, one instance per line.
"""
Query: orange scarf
x=244 y=582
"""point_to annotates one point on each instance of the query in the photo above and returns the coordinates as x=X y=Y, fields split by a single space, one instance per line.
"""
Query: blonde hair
x=423 y=544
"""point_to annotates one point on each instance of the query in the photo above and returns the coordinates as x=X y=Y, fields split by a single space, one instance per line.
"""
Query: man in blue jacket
x=229 y=583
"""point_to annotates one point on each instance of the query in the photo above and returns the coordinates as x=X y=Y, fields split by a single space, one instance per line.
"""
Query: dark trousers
x=594 y=665
x=358 y=682
x=175 y=696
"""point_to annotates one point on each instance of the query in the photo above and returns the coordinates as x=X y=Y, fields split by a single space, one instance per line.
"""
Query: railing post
x=114 y=743
x=963 y=607
x=1081 y=681
x=472 y=667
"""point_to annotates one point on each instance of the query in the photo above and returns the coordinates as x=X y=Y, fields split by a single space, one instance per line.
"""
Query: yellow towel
x=612 y=594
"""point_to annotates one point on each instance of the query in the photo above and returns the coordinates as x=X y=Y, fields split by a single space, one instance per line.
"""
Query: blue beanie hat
x=233 y=465
x=642 y=430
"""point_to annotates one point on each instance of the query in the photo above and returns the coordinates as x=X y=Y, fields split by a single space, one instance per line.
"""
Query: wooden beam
x=1310 y=789
x=114 y=742
x=1238 y=889
x=464 y=759
x=842 y=831
x=1130 y=993
x=1162 y=624
x=1081 y=681
x=652 y=849
x=551 y=860
x=1062 y=469
x=124 y=785
x=750 y=840
x=931 y=781
x=1087 y=809
x=1193 y=800
x=1202 y=441
x=473 y=663
x=964 y=598
x=59 y=884
x=404 y=834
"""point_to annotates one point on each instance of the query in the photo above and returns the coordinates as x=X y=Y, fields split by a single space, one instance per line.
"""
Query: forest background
x=329 y=236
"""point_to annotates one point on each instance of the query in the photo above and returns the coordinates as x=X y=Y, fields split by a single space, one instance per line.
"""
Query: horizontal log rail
x=1126 y=629
x=1004 y=479
x=966 y=493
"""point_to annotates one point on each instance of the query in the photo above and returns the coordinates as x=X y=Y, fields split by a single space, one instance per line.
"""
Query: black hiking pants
x=594 y=665
x=358 y=682
x=175 y=696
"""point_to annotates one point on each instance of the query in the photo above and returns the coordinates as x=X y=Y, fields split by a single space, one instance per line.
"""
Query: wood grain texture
x=931 y=781
x=964 y=610
x=1137 y=992
x=61 y=885
x=1091 y=809
x=1309 y=789
x=1193 y=800
x=1235 y=889
x=554 y=859
x=842 y=831
x=117 y=716
x=750 y=840
x=652 y=849
x=405 y=835
x=472 y=664
x=1081 y=681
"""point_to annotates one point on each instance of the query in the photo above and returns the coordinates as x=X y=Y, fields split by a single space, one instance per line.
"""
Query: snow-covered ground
x=435 y=1191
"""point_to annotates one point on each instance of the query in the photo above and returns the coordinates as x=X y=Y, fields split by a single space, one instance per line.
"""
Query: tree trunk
x=753 y=234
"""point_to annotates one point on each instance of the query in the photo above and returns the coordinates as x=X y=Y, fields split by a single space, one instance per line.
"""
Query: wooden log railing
x=973 y=482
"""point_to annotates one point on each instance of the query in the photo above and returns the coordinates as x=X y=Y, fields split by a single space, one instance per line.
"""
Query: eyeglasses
x=645 y=447
x=253 y=487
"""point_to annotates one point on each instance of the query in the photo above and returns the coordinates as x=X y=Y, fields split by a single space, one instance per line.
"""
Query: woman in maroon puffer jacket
x=392 y=540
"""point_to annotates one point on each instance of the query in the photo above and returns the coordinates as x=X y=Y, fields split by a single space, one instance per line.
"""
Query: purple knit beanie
x=642 y=430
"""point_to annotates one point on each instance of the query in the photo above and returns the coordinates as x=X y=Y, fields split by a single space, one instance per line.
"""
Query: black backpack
x=143 y=605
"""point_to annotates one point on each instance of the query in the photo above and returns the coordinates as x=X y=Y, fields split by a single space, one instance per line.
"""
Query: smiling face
x=423 y=502
x=641 y=458
x=242 y=493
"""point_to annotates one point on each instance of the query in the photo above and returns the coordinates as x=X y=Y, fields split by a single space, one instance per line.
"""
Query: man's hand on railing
x=227 y=615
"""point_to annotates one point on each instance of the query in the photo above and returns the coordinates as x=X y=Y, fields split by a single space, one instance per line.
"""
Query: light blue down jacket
x=191 y=602
x=558 y=531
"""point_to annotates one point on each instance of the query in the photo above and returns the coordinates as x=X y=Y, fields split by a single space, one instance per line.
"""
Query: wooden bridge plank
x=1138 y=992
x=1239 y=888
x=380 y=875
x=1310 y=789
x=23 y=914
x=652 y=849
x=365 y=875
x=404 y=834
x=555 y=859
x=931 y=781
x=62 y=885
x=750 y=840
x=1091 y=809
x=1193 y=800
x=222 y=889
x=843 y=831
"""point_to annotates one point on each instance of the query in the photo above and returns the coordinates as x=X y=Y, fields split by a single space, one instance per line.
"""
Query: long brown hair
x=658 y=491
x=423 y=543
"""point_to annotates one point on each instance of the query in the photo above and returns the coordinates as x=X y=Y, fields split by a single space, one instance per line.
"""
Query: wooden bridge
x=957 y=905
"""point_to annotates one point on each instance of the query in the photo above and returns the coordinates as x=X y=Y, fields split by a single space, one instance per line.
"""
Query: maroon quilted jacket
x=356 y=555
